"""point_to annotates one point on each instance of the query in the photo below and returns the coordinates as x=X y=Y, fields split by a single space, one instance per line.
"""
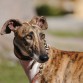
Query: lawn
x=65 y=34
x=11 y=72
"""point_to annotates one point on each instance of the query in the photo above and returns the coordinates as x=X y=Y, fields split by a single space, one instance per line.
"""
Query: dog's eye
x=29 y=37
x=42 y=36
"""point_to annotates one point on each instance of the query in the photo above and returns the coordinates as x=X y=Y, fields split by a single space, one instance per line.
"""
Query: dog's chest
x=34 y=69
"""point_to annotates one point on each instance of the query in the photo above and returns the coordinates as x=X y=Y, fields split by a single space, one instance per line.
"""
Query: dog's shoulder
x=67 y=64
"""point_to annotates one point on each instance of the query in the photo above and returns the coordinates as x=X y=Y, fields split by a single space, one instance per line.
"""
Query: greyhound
x=43 y=63
x=29 y=41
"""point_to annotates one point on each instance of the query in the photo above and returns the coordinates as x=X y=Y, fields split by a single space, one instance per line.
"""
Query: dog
x=43 y=63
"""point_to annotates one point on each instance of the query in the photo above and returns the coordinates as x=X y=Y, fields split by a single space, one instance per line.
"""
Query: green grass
x=66 y=33
x=11 y=72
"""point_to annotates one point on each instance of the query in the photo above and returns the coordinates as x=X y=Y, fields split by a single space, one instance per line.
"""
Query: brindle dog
x=43 y=65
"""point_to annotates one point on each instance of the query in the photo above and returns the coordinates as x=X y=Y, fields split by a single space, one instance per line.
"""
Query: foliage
x=46 y=10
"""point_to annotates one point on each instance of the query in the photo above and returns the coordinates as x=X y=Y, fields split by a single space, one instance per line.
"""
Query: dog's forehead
x=28 y=28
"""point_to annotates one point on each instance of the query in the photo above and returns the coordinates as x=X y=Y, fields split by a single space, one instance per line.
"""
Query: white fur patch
x=35 y=69
x=36 y=81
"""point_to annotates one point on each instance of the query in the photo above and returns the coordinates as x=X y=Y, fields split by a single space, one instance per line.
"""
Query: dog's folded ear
x=10 y=25
x=40 y=21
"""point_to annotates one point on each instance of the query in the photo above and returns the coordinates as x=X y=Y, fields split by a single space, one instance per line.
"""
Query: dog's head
x=29 y=37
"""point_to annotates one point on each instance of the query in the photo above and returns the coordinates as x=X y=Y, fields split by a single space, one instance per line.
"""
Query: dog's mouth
x=39 y=57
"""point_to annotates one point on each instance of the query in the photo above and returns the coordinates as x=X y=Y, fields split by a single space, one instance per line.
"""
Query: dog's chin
x=42 y=61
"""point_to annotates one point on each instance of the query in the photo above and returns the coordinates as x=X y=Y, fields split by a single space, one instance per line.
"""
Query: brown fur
x=63 y=67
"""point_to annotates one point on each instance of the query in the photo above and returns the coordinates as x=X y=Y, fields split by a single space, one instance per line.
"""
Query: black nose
x=43 y=58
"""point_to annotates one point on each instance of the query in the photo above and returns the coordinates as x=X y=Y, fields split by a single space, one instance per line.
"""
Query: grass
x=11 y=72
x=66 y=33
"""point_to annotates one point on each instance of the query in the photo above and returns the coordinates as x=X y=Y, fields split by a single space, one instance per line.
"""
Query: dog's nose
x=43 y=58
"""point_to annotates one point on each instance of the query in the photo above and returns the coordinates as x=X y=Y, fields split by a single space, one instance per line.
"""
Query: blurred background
x=65 y=30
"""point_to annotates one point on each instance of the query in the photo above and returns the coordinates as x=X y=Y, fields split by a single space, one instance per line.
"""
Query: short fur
x=31 y=49
x=63 y=67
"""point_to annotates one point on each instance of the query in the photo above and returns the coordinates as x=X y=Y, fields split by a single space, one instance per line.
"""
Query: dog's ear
x=10 y=25
x=40 y=21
